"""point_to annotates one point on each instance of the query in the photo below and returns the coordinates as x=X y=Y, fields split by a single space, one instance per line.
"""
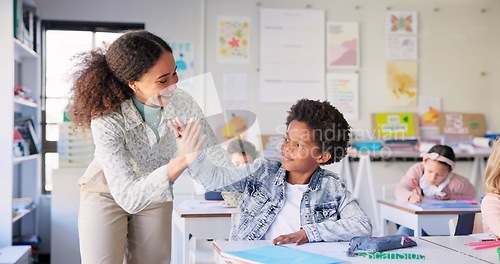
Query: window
x=61 y=41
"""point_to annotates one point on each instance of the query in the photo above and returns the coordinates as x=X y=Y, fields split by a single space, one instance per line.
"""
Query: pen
x=482 y=243
x=414 y=186
x=490 y=239
x=390 y=255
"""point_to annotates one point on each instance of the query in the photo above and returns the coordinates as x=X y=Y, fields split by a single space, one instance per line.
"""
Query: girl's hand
x=446 y=196
x=415 y=198
x=299 y=237
x=189 y=139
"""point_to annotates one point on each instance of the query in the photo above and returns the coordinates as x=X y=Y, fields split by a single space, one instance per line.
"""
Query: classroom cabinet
x=20 y=148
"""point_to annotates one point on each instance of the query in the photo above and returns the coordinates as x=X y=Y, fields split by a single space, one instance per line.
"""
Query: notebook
x=278 y=255
x=448 y=204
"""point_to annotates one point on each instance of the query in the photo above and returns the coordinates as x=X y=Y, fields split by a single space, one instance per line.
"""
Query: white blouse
x=134 y=161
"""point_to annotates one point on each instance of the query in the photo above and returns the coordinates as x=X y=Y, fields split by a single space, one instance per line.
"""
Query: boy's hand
x=299 y=237
x=446 y=196
x=415 y=198
x=177 y=126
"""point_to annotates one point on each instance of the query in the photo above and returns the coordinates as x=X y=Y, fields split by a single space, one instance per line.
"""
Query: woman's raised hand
x=188 y=137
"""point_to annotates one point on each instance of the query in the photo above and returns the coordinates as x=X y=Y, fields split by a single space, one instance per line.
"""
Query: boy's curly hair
x=331 y=131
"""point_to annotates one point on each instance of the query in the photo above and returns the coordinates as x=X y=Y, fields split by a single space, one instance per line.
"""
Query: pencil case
x=377 y=244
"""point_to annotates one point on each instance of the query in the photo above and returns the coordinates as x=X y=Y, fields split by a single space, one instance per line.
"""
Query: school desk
x=433 y=221
x=364 y=173
x=203 y=220
x=433 y=253
x=457 y=243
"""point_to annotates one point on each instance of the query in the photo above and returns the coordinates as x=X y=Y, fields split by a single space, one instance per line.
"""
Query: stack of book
x=402 y=145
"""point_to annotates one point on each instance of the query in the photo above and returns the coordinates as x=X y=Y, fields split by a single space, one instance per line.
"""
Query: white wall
x=457 y=44
x=172 y=20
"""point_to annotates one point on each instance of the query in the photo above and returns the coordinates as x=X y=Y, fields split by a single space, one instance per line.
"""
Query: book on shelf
x=26 y=128
x=25 y=23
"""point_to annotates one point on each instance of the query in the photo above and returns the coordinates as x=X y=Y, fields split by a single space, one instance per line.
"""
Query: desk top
x=413 y=209
x=457 y=243
x=433 y=253
x=203 y=208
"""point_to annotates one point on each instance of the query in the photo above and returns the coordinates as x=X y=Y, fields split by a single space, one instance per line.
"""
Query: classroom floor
x=204 y=252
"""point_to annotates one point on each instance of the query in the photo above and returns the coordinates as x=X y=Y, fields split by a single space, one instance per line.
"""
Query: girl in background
x=433 y=178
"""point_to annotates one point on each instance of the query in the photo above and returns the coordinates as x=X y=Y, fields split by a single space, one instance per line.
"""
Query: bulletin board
x=395 y=125
x=462 y=124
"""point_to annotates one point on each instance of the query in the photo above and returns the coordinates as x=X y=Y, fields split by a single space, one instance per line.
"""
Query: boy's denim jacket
x=328 y=211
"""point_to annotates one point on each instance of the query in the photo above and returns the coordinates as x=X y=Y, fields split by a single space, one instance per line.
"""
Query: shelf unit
x=19 y=176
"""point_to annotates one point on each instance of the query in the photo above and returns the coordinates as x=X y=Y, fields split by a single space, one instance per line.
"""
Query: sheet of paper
x=235 y=87
x=292 y=54
x=342 y=90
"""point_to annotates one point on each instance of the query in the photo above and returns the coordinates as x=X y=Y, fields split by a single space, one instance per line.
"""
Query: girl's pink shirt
x=459 y=187
x=490 y=210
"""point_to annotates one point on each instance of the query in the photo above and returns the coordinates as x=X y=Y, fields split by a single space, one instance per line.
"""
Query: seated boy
x=293 y=200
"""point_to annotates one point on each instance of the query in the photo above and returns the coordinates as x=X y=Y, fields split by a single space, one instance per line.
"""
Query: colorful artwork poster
x=342 y=90
x=233 y=40
x=462 y=124
x=428 y=110
x=342 y=45
x=395 y=125
x=184 y=58
x=402 y=83
x=402 y=22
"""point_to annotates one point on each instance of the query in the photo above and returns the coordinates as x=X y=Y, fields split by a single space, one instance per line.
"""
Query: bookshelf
x=20 y=173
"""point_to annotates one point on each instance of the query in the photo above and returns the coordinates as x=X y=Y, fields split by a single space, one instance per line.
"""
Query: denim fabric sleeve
x=352 y=222
x=223 y=178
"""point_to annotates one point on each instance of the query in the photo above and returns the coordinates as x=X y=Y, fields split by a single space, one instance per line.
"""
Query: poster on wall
x=342 y=90
x=402 y=83
x=395 y=125
x=233 y=39
x=402 y=23
x=184 y=58
x=292 y=54
x=342 y=46
x=402 y=47
x=462 y=124
x=235 y=91
x=428 y=110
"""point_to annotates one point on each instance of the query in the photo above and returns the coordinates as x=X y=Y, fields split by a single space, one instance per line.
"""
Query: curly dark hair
x=331 y=131
x=242 y=146
x=102 y=76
